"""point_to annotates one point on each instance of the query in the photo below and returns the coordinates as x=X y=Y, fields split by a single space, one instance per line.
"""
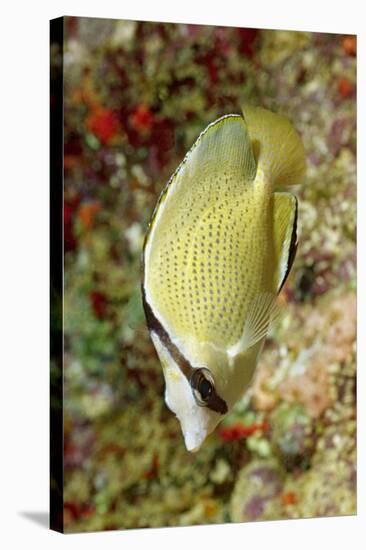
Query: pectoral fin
x=285 y=235
x=263 y=311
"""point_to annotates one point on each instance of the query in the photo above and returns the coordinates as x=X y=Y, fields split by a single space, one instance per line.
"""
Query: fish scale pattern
x=200 y=275
x=208 y=245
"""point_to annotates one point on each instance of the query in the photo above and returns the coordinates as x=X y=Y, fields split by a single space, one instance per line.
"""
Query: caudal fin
x=277 y=147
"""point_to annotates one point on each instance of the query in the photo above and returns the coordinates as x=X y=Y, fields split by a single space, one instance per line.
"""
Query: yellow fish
x=217 y=252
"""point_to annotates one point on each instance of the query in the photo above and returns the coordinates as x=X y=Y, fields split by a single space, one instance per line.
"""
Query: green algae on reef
x=136 y=97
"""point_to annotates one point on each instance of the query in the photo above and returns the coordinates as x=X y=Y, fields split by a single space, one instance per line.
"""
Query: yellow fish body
x=217 y=252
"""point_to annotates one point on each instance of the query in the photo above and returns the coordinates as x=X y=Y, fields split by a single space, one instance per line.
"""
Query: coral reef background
x=137 y=94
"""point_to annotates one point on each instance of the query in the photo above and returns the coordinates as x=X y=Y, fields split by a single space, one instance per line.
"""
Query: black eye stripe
x=213 y=401
x=154 y=325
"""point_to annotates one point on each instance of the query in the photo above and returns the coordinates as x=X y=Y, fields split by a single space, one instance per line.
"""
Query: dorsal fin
x=224 y=146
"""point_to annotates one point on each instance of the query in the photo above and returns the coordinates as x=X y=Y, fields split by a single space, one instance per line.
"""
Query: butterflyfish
x=217 y=252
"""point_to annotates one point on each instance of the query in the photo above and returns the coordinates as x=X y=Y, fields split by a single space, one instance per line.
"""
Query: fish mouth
x=194 y=439
x=197 y=427
x=192 y=449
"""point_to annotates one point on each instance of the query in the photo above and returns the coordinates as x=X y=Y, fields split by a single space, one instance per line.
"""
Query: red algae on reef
x=137 y=95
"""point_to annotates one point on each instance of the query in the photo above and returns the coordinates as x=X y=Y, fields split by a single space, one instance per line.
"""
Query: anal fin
x=285 y=235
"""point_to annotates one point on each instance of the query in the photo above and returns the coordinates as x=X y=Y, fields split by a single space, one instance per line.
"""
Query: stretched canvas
x=203 y=274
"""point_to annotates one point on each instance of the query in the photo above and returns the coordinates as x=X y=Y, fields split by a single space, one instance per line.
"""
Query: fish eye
x=202 y=384
x=205 y=389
